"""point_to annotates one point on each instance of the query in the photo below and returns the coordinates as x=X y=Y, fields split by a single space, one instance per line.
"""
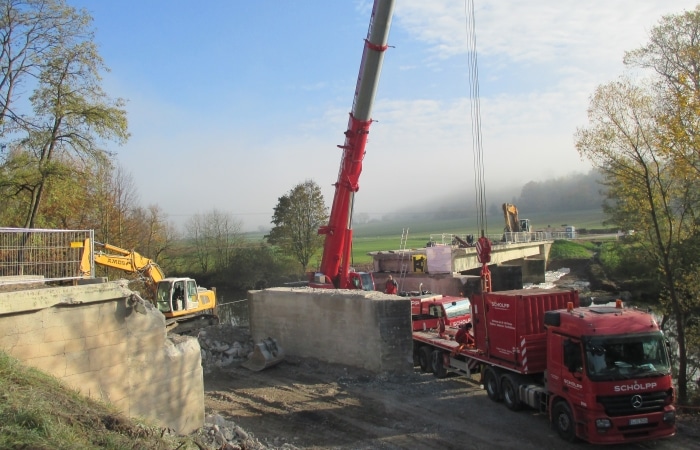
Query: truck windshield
x=459 y=308
x=629 y=356
x=367 y=281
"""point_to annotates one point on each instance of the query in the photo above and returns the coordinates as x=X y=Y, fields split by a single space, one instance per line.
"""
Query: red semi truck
x=602 y=373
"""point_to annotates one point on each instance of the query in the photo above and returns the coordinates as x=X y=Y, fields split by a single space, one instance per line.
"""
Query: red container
x=509 y=325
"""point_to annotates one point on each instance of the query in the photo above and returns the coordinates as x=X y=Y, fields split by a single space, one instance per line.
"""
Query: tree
x=296 y=219
x=672 y=54
x=214 y=236
x=48 y=46
x=647 y=189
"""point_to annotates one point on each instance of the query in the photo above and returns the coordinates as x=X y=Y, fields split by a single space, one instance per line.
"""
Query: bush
x=562 y=249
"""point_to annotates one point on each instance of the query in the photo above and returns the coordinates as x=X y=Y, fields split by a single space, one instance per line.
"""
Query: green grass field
x=379 y=236
x=386 y=235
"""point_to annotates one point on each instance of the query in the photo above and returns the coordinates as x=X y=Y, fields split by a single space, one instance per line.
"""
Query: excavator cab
x=164 y=298
x=177 y=294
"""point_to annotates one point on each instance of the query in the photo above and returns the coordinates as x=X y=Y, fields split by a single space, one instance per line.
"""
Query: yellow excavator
x=184 y=304
x=513 y=223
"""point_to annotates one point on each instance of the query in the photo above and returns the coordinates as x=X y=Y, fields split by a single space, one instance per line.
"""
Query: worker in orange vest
x=463 y=337
x=391 y=286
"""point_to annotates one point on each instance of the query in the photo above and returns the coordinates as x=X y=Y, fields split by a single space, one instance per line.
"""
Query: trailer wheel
x=491 y=384
x=509 y=389
x=438 y=367
x=563 y=421
x=424 y=359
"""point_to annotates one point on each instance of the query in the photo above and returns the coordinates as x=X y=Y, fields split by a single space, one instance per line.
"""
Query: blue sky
x=231 y=103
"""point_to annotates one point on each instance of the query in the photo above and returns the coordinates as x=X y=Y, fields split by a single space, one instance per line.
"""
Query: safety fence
x=28 y=255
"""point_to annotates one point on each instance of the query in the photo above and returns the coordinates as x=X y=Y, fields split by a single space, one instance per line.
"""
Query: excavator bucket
x=265 y=354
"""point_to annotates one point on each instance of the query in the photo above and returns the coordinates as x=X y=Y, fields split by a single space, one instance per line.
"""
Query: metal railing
x=503 y=238
x=28 y=255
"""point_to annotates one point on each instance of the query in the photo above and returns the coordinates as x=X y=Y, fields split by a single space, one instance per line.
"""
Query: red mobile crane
x=334 y=272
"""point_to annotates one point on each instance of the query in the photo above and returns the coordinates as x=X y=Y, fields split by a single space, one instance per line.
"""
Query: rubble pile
x=221 y=434
x=223 y=346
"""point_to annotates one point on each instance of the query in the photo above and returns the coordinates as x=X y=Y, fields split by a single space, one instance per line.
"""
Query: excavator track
x=191 y=325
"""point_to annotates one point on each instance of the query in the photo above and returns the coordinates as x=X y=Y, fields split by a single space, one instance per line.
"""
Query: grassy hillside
x=38 y=412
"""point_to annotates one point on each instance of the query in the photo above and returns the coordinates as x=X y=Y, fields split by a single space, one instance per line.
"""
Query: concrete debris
x=266 y=353
x=221 y=434
x=223 y=346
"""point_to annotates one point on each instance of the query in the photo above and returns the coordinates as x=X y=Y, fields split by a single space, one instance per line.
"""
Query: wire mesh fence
x=50 y=255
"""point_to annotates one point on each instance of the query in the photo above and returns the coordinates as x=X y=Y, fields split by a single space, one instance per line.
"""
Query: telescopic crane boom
x=334 y=271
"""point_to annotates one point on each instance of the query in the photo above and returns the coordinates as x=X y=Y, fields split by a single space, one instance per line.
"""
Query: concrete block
x=8 y=341
x=54 y=333
x=20 y=323
x=177 y=402
x=137 y=322
x=52 y=365
x=106 y=339
x=328 y=324
x=107 y=356
x=75 y=345
x=146 y=341
x=31 y=351
x=77 y=362
x=115 y=381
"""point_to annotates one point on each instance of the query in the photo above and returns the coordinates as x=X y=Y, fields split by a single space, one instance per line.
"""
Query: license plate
x=640 y=421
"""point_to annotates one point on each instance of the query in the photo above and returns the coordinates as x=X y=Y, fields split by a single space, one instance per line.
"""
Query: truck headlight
x=670 y=417
x=603 y=425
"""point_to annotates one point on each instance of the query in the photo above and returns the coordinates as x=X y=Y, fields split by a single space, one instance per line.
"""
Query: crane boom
x=335 y=263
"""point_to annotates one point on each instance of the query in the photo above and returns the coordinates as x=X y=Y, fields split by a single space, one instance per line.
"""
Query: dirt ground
x=307 y=404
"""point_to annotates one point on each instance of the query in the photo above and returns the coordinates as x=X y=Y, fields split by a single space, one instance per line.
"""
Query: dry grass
x=38 y=412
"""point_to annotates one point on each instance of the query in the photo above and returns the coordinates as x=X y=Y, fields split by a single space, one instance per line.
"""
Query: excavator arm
x=510 y=214
x=119 y=258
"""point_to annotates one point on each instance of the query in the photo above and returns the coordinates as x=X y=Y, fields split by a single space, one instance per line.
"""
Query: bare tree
x=215 y=236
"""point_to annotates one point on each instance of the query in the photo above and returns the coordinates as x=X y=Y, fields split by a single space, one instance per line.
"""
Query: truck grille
x=623 y=405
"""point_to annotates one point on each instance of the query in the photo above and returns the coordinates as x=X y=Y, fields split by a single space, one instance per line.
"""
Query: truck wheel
x=424 y=359
x=563 y=421
x=509 y=389
x=491 y=384
x=439 y=369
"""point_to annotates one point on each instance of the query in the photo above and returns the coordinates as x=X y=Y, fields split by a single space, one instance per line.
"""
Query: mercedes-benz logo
x=636 y=401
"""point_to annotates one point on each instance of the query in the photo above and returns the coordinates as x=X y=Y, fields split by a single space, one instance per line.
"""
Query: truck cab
x=609 y=375
x=428 y=311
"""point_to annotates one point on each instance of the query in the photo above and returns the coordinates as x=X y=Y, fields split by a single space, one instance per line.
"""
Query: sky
x=232 y=103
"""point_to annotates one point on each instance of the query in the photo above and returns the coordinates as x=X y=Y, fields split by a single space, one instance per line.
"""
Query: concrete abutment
x=94 y=339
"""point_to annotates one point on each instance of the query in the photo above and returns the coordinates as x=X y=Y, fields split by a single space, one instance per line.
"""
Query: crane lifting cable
x=483 y=245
